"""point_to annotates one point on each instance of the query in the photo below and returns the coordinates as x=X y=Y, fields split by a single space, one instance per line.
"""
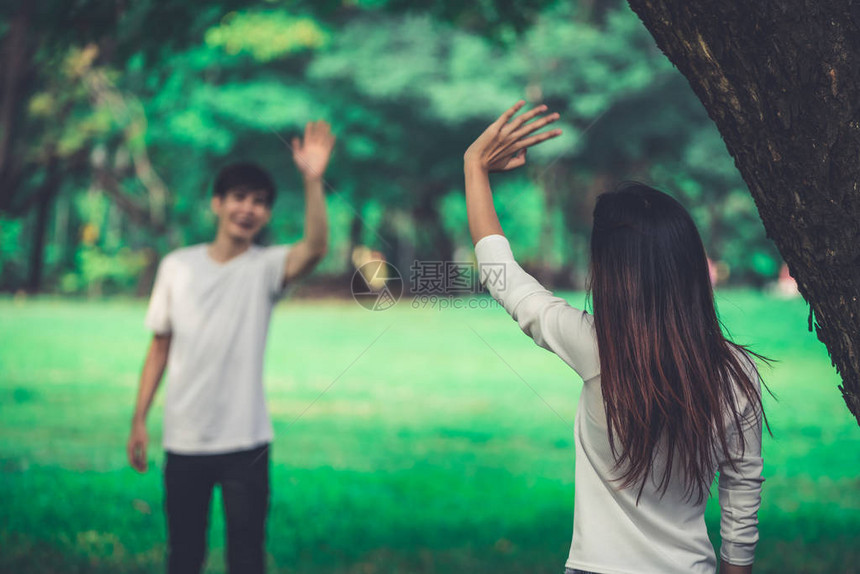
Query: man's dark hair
x=244 y=176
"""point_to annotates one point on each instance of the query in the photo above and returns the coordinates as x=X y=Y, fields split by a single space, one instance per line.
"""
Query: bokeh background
x=416 y=439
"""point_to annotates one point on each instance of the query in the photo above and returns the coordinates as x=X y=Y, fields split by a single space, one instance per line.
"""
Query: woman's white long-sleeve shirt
x=612 y=534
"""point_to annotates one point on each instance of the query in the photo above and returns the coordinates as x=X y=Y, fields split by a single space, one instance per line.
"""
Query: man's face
x=242 y=213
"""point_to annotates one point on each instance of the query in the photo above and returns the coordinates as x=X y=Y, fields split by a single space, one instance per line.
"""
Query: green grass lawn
x=428 y=453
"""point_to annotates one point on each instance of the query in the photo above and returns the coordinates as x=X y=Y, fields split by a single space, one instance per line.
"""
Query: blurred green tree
x=148 y=121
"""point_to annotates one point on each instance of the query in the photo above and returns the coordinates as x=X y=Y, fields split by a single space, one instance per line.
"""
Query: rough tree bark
x=781 y=80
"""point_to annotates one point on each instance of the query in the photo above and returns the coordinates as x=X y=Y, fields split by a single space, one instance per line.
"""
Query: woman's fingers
x=534 y=126
x=519 y=121
x=506 y=117
x=510 y=143
x=511 y=133
x=517 y=160
x=502 y=145
x=534 y=140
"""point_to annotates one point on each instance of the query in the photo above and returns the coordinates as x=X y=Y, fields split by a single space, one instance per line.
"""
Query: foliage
x=406 y=86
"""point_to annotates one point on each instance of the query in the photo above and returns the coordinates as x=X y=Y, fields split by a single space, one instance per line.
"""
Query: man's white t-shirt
x=613 y=532
x=218 y=315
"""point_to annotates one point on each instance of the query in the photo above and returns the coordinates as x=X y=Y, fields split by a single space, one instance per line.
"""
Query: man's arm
x=311 y=156
x=150 y=378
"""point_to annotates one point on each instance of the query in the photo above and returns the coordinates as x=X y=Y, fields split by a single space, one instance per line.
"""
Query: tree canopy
x=119 y=116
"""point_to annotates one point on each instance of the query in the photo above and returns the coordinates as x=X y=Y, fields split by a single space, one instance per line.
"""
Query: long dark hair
x=668 y=374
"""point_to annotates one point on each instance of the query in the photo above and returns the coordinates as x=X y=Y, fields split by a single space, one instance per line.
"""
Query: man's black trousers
x=244 y=480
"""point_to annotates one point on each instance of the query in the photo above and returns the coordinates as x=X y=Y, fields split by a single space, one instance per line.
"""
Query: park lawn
x=408 y=440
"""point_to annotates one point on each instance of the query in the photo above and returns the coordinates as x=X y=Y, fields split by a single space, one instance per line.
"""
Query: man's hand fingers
x=331 y=136
x=137 y=454
x=324 y=134
x=141 y=457
x=321 y=130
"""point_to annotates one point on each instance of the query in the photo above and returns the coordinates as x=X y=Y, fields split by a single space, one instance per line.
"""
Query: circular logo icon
x=377 y=285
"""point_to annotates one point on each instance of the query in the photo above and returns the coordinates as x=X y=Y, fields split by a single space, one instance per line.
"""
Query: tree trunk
x=15 y=72
x=46 y=194
x=356 y=231
x=781 y=79
x=432 y=242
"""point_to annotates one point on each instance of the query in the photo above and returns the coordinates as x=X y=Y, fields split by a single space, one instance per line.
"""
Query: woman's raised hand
x=503 y=145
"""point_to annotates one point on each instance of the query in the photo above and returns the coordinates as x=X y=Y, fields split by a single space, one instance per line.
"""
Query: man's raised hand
x=312 y=152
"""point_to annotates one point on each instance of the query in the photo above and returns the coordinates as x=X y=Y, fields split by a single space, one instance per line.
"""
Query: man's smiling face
x=242 y=213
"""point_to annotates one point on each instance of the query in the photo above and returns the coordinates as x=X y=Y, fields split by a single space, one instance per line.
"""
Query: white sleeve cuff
x=493 y=249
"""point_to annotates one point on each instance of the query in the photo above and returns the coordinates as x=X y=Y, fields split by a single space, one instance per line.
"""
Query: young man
x=209 y=312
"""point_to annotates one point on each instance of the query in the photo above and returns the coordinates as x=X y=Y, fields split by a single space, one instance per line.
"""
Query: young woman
x=667 y=400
